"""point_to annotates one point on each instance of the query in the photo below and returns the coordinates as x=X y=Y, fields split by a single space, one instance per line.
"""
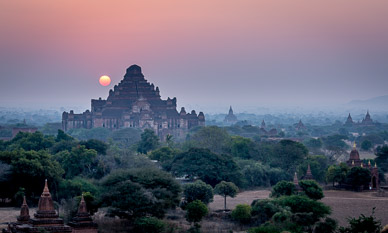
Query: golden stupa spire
x=375 y=164
x=354 y=145
x=362 y=164
x=369 y=163
x=352 y=162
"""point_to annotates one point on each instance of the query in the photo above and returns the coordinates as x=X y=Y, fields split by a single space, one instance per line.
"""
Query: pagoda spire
x=296 y=181
x=309 y=175
x=24 y=212
x=82 y=206
x=46 y=205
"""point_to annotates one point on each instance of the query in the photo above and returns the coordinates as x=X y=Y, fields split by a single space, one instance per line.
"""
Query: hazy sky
x=204 y=52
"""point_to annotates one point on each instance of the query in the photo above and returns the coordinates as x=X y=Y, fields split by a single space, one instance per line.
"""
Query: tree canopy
x=140 y=192
x=206 y=165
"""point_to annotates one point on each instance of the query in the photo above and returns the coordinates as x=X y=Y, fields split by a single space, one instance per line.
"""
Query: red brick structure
x=355 y=161
x=135 y=103
x=83 y=223
x=309 y=175
x=46 y=219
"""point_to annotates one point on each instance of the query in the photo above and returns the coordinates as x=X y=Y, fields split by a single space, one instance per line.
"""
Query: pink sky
x=217 y=52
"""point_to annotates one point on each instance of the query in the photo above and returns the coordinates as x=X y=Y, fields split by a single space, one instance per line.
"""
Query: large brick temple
x=136 y=103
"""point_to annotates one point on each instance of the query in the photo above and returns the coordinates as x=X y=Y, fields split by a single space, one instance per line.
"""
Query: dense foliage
x=198 y=190
x=140 y=192
x=206 y=165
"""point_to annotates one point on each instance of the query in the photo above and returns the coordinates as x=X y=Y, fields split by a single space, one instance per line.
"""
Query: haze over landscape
x=193 y=116
x=209 y=54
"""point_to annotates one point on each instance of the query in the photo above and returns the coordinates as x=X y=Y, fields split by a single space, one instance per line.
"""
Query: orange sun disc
x=104 y=80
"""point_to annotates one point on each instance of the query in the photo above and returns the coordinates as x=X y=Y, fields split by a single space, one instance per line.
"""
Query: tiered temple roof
x=135 y=103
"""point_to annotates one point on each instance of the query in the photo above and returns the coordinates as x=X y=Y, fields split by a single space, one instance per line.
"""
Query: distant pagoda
x=349 y=121
x=230 y=118
x=262 y=126
x=300 y=125
x=366 y=121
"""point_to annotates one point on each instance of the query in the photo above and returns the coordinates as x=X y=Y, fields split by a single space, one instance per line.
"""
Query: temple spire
x=82 y=206
x=309 y=175
x=45 y=189
x=24 y=212
x=296 y=182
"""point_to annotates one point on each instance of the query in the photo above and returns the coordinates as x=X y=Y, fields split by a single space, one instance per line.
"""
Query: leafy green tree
x=242 y=213
x=311 y=189
x=206 y=165
x=328 y=226
x=382 y=158
x=303 y=204
x=140 y=192
x=283 y=188
x=337 y=173
x=314 y=144
x=62 y=136
x=366 y=145
x=163 y=154
x=96 y=145
x=149 y=225
x=288 y=154
x=31 y=141
x=195 y=211
x=198 y=190
x=211 y=137
x=358 y=177
x=29 y=169
x=256 y=175
x=149 y=141
x=70 y=188
x=80 y=161
x=226 y=189
x=63 y=145
x=243 y=148
x=264 y=209
x=335 y=141
x=362 y=224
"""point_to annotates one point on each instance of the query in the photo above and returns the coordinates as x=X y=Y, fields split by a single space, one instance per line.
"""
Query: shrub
x=198 y=190
x=362 y=224
x=195 y=211
x=149 y=225
x=242 y=213
x=311 y=189
x=328 y=226
x=283 y=188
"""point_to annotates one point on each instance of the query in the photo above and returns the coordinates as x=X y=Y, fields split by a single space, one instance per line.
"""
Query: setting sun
x=104 y=80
